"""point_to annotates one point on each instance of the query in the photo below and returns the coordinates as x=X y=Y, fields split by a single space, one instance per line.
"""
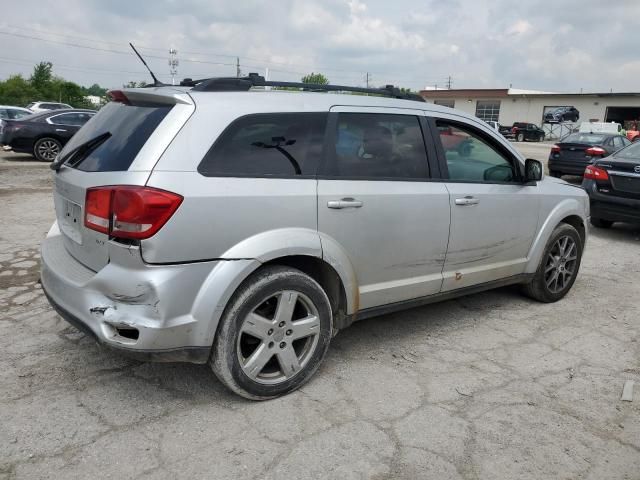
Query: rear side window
x=587 y=138
x=130 y=127
x=375 y=145
x=272 y=144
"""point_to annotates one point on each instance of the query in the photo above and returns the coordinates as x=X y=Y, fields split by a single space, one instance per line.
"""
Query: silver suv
x=243 y=227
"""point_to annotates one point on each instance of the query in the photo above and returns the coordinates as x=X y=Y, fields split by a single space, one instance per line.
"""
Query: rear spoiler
x=146 y=96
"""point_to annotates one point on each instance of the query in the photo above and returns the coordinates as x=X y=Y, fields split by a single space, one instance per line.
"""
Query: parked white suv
x=245 y=227
x=37 y=107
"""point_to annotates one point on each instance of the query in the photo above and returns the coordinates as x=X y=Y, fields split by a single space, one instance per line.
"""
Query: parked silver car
x=245 y=228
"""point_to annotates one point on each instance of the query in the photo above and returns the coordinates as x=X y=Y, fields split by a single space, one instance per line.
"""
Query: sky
x=560 y=46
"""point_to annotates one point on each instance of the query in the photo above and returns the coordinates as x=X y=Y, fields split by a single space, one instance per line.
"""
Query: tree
x=41 y=75
x=17 y=91
x=96 y=90
x=316 y=79
x=134 y=84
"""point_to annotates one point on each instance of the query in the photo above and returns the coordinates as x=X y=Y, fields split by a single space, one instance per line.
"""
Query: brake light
x=555 y=149
x=595 y=151
x=125 y=211
x=595 y=173
x=118 y=96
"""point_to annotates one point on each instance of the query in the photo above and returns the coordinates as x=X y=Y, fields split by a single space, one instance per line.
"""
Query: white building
x=512 y=105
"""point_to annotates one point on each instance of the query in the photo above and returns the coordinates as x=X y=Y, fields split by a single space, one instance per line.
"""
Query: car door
x=494 y=216
x=66 y=124
x=377 y=205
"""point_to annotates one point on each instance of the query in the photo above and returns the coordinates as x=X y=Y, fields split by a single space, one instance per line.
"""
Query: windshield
x=586 y=138
x=130 y=126
x=631 y=152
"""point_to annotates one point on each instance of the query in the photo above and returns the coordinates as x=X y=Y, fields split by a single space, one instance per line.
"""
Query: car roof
x=15 y=108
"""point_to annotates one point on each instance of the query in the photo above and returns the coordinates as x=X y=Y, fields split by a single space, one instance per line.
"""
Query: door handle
x=60 y=130
x=468 y=200
x=344 y=203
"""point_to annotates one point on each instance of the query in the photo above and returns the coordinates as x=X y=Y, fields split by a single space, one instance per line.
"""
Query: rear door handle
x=468 y=200
x=344 y=203
x=60 y=130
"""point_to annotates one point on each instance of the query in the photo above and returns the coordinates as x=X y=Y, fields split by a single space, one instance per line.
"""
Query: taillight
x=595 y=151
x=595 y=173
x=514 y=129
x=118 y=96
x=555 y=149
x=129 y=211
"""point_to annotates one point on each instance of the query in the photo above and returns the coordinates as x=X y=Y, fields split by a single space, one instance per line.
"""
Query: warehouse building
x=510 y=105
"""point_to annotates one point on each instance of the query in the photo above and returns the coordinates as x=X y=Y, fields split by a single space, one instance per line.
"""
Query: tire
x=45 y=149
x=520 y=137
x=540 y=138
x=259 y=298
x=555 y=173
x=542 y=287
x=601 y=223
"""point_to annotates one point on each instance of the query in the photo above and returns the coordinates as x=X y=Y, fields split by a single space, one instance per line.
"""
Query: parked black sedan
x=613 y=186
x=577 y=150
x=43 y=134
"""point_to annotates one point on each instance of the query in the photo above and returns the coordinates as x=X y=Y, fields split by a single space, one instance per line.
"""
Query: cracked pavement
x=488 y=386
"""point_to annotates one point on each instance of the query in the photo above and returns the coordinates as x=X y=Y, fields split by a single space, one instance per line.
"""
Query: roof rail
x=243 y=84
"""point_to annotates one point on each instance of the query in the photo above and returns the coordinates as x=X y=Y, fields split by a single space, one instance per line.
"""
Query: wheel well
x=576 y=222
x=325 y=275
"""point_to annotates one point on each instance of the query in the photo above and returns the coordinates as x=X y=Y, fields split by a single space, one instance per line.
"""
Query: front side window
x=376 y=145
x=270 y=144
x=488 y=110
x=471 y=158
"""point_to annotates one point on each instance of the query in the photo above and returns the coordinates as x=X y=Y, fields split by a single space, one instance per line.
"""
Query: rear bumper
x=150 y=312
x=568 y=168
x=609 y=207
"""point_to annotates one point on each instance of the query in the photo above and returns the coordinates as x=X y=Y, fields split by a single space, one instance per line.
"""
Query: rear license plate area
x=71 y=219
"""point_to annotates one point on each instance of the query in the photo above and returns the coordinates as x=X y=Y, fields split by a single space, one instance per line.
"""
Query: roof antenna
x=156 y=82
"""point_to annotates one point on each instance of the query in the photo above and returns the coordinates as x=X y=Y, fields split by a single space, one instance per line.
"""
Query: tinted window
x=587 y=138
x=617 y=143
x=4 y=113
x=632 y=152
x=17 y=113
x=130 y=127
x=72 y=119
x=472 y=158
x=280 y=144
x=378 y=146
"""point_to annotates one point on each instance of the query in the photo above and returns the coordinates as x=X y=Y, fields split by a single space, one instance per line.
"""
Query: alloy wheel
x=561 y=264
x=48 y=150
x=278 y=338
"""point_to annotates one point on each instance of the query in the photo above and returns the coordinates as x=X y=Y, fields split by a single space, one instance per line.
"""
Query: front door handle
x=344 y=203
x=468 y=200
x=60 y=130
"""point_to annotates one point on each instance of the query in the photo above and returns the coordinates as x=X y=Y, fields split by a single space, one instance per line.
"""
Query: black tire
x=538 y=287
x=45 y=149
x=601 y=223
x=520 y=137
x=255 y=293
x=541 y=138
x=555 y=173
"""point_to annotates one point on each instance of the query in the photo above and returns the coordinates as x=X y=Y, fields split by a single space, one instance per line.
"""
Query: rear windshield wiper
x=82 y=151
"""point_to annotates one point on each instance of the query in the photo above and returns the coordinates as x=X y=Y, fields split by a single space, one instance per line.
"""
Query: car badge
x=636 y=169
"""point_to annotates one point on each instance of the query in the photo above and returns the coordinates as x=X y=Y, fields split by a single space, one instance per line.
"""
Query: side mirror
x=532 y=170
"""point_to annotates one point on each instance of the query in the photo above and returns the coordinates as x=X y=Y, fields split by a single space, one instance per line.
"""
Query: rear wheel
x=559 y=266
x=520 y=137
x=46 y=149
x=601 y=223
x=273 y=335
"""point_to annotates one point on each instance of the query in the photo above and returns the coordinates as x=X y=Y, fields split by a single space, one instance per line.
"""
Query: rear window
x=631 y=152
x=130 y=127
x=586 y=138
x=272 y=144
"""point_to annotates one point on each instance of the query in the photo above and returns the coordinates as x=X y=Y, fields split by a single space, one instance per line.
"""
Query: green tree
x=42 y=75
x=316 y=79
x=96 y=90
x=134 y=84
x=17 y=91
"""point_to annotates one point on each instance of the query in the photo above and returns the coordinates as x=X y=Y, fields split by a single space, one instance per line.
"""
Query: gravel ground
x=490 y=386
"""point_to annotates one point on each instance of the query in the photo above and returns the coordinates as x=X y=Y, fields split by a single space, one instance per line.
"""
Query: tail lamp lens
x=595 y=151
x=595 y=173
x=555 y=149
x=129 y=211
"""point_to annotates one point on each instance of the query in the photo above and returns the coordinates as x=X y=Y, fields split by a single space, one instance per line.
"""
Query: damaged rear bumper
x=144 y=311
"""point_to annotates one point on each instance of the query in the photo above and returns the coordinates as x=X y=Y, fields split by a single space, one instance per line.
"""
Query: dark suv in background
x=527 y=131
x=562 y=114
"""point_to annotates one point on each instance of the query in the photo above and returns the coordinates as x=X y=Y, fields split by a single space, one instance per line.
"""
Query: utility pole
x=367 y=79
x=173 y=64
x=449 y=82
x=238 y=72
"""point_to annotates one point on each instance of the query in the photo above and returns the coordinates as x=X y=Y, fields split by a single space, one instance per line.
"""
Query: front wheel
x=559 y=266
x=46 y=149
x=273 y=334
